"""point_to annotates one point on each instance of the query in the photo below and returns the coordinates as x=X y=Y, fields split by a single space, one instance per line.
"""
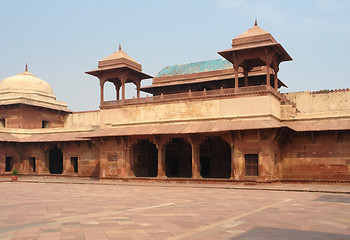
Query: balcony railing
x=223 y=92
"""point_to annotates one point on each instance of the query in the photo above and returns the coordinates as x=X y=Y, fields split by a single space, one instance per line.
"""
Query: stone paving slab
x=299 y=187
x=39 y=210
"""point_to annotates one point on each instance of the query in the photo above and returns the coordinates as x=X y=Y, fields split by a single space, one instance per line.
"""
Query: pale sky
x=60 y=40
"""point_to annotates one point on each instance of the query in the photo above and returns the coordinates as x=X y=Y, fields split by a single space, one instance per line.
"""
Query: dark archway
x=178 y=159
x=215 y=158
x=145 y=159
x=56 y=161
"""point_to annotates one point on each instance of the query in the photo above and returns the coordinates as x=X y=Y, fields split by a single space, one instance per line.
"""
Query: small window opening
x=251 y=164
x=45 y=124
x=74 y=161
x=9 y=164
x=32 y=166
x=2 y=123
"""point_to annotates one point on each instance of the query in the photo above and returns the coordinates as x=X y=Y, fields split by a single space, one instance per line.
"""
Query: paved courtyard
x=168 y=211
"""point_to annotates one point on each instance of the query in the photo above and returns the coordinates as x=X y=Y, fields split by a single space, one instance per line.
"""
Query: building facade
x=217 y=120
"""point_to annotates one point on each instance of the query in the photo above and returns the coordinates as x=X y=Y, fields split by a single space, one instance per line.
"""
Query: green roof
x=196 y=67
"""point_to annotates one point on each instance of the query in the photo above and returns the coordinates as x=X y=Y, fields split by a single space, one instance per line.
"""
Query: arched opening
x=145 y=159
x=56 y=161
x=109 y=91
x=130 y=91
x=178 y=159
x=215 y=158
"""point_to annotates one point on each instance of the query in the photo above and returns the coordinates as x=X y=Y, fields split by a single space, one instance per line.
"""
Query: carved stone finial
x=26 y=67
x=256 y=22
x=120 y=47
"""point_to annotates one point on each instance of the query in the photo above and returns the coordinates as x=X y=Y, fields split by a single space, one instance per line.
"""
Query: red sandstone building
x=217 y=119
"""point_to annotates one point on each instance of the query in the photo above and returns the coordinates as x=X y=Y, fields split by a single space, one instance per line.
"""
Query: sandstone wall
x=192 y=111
x=23 y=116
x=324 y=156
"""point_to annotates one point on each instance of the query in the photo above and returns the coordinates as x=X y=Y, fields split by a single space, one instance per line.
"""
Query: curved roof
x=196 y=67
x=251 y=32
x=26 y=88
x=118 y=60
x=27 y=83
x=118 y=55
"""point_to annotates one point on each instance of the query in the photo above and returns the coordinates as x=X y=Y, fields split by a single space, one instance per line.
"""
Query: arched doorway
x=56 y=161
x=145 y=159
x=178 y=159
x=215 y=158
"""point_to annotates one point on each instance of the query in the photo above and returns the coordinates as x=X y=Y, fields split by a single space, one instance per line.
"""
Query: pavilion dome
x=119 y=59
x=253 y=32
x=25 y=88
x=26 y=83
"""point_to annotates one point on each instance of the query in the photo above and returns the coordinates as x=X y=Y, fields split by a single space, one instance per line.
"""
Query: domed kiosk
x=26 y=83
x=29 y=97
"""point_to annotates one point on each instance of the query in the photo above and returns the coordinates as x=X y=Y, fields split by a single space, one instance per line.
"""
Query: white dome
x=26 y=83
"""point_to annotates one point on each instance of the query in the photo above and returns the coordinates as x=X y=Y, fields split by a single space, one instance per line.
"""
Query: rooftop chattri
x=26 y=83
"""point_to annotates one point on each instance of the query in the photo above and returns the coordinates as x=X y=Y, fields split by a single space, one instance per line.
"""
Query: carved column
x=195 y=146
x=268 y=75
x=66 y=164
x=123 y=90
x=128 y=157
x=231 y=142
x=123 y=77
x=103 y=159
x=236 y=64
x=102 y=83
x=268 y=62
x=117 y=89
x=138 y=87
x=160 y=144
x=236 y=78
x=237 y=156
x=161 y=162
x=276 y=69
x=246 y=70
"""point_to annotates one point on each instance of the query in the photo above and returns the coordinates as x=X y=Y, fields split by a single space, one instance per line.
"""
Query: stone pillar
x=138 y=88
x=122 y=79
x=127 y=147
x=102 y=83
x=245 y=72
x=25 y=165
x=268 y=75
x=231 y=142
x=237 y=156
x=268 y=60
x=276 y=69
x=236 y=78
x=195 y=146
x=238 y=164
x=160 y=143
x=128 y=159
x=40 y=158
x=123 y=91
x=117 y=88
x=195 y=161
x=232 y=162
x=161 y=162
x=103 y=165
x=66 y=164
